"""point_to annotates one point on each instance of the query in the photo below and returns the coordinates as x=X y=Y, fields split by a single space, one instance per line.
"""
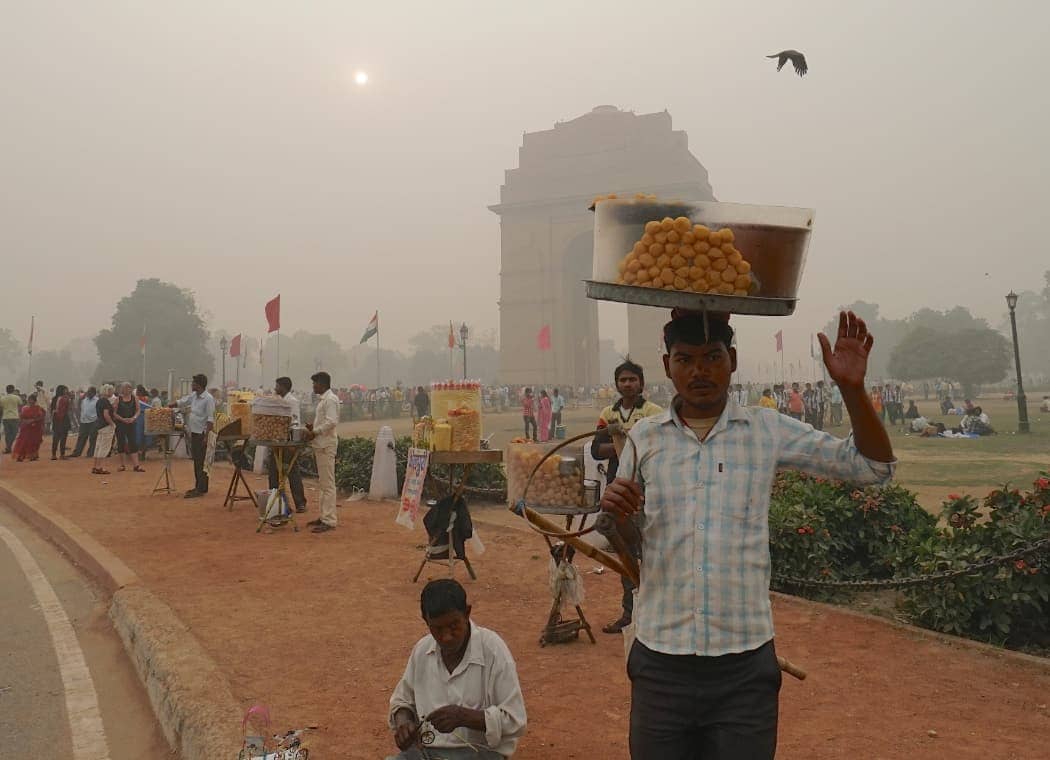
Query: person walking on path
x=528 y=413
x=104 y=429
x=557 y=405
x=30 y=431
x=88 y=424
x=59 y=422
x=200 y=420
x=325 y=444
x=10 y=403
x=544 y=417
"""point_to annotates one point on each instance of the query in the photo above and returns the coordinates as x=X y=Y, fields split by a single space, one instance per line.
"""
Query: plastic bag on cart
x=272 y=504
x=566 y=580
x=259 y=465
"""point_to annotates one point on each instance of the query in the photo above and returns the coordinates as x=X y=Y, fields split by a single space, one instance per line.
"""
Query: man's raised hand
x=847 y=362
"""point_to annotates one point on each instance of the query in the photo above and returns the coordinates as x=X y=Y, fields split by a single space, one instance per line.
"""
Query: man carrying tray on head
x=703 y=669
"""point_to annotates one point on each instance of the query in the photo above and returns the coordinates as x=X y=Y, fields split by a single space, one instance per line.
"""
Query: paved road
x=41 y=684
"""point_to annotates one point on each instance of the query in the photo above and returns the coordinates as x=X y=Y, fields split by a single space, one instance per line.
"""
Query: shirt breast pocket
x=745 y=496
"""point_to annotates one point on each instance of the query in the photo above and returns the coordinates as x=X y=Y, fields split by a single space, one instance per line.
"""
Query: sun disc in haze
x=361 y=78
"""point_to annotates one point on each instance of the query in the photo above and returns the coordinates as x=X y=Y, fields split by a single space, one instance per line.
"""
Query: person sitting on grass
x=460 y=689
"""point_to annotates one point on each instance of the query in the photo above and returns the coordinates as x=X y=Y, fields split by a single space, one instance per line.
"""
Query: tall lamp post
x=1022 y=407
x=463 y=344
x=223 y=346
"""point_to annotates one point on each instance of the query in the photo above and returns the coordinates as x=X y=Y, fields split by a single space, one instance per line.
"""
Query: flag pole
x=143 y=354
x=379 y=375
x=277 y=366
x=29 y=372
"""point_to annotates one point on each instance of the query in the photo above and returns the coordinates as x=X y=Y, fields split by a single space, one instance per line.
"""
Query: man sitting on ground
x=461 y=685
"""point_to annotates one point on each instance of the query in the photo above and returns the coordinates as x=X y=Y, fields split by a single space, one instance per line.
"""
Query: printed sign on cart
x=412 y=492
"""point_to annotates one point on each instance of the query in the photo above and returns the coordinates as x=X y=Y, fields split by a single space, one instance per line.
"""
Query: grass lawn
x=931 y=467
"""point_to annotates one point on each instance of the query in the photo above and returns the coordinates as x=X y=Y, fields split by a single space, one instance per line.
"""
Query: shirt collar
x=638 y=404
x=474 y=654
x=733 y=412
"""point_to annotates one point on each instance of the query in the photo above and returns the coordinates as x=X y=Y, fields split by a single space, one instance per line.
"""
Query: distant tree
x=59 y=367
x=175 y=336
x=973 y=356
x=12 y=354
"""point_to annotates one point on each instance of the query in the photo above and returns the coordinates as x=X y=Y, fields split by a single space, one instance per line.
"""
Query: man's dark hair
x=441 y=597
x=323 y=378
x=91 y=391
x=628 y=366
x=10 y=389
x=201 y=380
x=284 y=382
x=691 y=329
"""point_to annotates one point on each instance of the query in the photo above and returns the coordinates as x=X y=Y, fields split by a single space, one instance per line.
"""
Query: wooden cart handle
x=791 y=668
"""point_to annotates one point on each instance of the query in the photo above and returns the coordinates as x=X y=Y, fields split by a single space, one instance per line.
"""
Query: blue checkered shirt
x=705 y=570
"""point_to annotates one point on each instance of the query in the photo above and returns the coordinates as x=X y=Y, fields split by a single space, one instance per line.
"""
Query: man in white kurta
x=322 y=436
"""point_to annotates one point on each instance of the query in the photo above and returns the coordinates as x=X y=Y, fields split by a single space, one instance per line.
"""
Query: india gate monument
x=547 y=239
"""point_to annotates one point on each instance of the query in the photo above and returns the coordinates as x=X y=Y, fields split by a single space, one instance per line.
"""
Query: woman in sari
x=543 y=418
x=30 y=432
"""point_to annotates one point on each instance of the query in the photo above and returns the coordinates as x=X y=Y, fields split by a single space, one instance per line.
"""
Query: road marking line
x=85 y=718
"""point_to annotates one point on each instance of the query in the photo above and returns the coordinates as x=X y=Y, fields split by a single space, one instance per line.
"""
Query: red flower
x=802 y=531
x=953 y=497
x=1042 y=483
x=1020 y=564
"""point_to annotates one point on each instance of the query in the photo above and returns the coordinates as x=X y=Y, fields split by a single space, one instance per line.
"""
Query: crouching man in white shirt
x=459 y=696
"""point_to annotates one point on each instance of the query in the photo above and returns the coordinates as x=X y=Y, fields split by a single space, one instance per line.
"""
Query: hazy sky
x=225 y=147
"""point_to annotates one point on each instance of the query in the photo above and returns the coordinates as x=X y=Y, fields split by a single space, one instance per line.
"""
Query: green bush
x=1007 y=604
x=825 y=529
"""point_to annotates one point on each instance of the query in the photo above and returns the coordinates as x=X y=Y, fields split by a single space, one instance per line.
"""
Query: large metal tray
x=676 y=299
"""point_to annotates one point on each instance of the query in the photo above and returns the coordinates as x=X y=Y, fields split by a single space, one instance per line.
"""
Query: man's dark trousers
x=198 y=448
x=685 y=707
x=86 y=435
x=295 y=480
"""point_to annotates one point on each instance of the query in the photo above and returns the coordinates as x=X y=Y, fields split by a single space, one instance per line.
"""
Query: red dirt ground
x=319 y=626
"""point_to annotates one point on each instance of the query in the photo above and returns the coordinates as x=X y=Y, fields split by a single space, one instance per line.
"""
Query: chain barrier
x=1042 y=544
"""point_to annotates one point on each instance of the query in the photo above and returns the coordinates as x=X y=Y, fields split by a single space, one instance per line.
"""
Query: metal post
x=1022 y=407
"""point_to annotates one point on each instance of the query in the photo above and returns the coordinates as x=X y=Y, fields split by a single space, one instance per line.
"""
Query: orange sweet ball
x=682 y=224
x=656 y=249
x=652 y=228
x=667 y=224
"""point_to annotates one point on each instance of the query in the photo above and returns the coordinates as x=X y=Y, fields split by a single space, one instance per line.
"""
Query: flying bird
x=797 y=60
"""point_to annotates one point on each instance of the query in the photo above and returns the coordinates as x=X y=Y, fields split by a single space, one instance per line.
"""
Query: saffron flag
x=273 y=314
x=142 y=341
x=780 y=341
x=235 y=346
x=32 y=326
x=451 y=337
x=372 y=329
x=543 y=340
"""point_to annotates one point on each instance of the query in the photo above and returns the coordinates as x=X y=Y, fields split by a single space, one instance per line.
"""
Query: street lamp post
x=463 y=345
x=1022 y=407
x=223 y=346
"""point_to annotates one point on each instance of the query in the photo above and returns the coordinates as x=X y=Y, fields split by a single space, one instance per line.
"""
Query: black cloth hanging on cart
x=436 y=522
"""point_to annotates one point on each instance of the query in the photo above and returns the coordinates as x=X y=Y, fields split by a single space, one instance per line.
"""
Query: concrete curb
x=988 y=650
x=191 y=697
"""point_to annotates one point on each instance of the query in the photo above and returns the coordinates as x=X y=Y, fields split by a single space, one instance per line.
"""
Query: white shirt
x=293 y=402
x=202 y=411
x=705 y=529
x=486 y=679
x=326 y=417
x=89 y=409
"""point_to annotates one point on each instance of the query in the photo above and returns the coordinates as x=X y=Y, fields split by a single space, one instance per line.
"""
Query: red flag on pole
x=273 y=314
x=451 y=337
x=235 y=346
x=543 y=340
x=780 y=341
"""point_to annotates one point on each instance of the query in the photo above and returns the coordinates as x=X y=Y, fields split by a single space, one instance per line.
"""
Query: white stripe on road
x=85 y=719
